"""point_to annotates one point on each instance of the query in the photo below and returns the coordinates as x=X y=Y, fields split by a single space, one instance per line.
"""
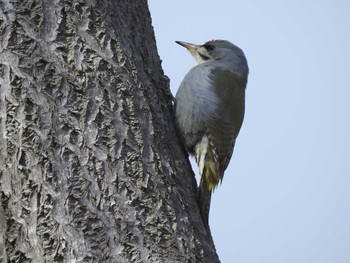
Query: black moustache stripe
x=203 y=56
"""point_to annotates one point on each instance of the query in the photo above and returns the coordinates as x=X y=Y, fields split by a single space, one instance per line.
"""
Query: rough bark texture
x=90 y=166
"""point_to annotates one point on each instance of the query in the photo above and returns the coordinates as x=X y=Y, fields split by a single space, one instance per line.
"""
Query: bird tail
x=206 y=158
x=204 y=197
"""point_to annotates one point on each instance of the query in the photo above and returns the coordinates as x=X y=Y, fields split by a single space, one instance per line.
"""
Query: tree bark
x=91 y=169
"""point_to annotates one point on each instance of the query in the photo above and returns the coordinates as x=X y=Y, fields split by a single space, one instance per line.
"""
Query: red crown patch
x=209 y=42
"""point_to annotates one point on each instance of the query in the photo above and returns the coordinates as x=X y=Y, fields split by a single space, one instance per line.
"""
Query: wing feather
x=227 y=121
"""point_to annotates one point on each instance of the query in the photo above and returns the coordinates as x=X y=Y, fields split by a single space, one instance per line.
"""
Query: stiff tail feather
x=207 y=160
x=204 y=197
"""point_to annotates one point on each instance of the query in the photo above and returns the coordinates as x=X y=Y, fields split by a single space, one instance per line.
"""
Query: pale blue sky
x=286 y=194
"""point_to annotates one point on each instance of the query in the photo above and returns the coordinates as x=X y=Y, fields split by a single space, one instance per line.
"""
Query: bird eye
x=209 y=47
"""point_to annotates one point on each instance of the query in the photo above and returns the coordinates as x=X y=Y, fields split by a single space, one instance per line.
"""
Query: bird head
x=212 y=50
x=221 y=51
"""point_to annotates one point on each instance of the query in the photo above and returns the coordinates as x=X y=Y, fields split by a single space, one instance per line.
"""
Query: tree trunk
x=90 y=166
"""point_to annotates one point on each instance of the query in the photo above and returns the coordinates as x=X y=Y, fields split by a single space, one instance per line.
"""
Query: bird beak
x=191 y=47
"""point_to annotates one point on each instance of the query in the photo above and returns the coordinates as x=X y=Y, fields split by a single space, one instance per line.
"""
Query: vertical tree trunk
x=90 y=166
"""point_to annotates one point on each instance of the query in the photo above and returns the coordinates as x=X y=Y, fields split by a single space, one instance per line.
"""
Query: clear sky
x=286 y=194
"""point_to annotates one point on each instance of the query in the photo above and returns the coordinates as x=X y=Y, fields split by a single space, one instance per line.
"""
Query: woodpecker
x=209 y=111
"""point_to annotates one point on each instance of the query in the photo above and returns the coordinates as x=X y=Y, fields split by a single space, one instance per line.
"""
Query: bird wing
x=225 y=125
